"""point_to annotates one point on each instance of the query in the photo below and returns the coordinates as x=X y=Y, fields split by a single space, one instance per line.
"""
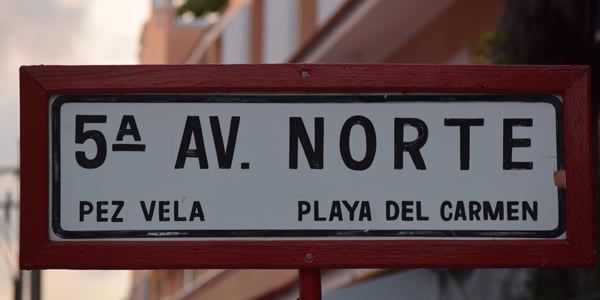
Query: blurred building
x=323 y=31
x=167 y=38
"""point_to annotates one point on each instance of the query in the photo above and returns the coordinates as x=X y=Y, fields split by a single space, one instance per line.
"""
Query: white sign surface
x=305 y=166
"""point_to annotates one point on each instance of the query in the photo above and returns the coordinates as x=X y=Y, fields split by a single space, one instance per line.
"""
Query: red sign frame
x=39 y=83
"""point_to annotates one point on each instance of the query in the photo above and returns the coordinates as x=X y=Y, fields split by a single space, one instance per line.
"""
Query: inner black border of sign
x=294 y=98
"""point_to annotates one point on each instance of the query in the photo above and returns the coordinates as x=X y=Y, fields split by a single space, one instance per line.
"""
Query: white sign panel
x=305 y=166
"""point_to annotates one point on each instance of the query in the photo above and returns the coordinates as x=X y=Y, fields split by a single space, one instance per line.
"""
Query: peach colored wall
x=245 y=284
x=182 y=41
x=155 y=39
x=164 y=41
x=461 y=24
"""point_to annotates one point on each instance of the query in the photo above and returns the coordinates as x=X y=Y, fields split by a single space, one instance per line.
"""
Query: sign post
x=408 y=166
x=310 y=284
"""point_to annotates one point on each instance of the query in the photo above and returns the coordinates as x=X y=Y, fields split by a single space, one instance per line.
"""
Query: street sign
x=283 y=165
x=305 y=166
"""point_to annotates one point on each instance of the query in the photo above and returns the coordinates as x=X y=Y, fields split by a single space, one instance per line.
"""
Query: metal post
x=18 y=285
x=36 y=285
x=310 y=284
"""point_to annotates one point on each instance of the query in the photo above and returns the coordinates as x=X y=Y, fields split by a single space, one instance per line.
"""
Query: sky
x=66 y=32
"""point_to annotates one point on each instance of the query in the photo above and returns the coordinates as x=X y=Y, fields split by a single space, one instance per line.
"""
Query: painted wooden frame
x=39 y=83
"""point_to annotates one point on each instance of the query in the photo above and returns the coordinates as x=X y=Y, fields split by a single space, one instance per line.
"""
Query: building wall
x=280 y=36
x=245 y=284
x=280 y=31
x=273 y=31
x=168 y=39
x=326 y=9
x=155 y=39
x=460 y=25
x=183 y=37
x=168 y=284
x=236 y=38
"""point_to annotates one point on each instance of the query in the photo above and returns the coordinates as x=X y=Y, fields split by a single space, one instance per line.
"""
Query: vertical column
x=307 y=20
x=256 y=32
